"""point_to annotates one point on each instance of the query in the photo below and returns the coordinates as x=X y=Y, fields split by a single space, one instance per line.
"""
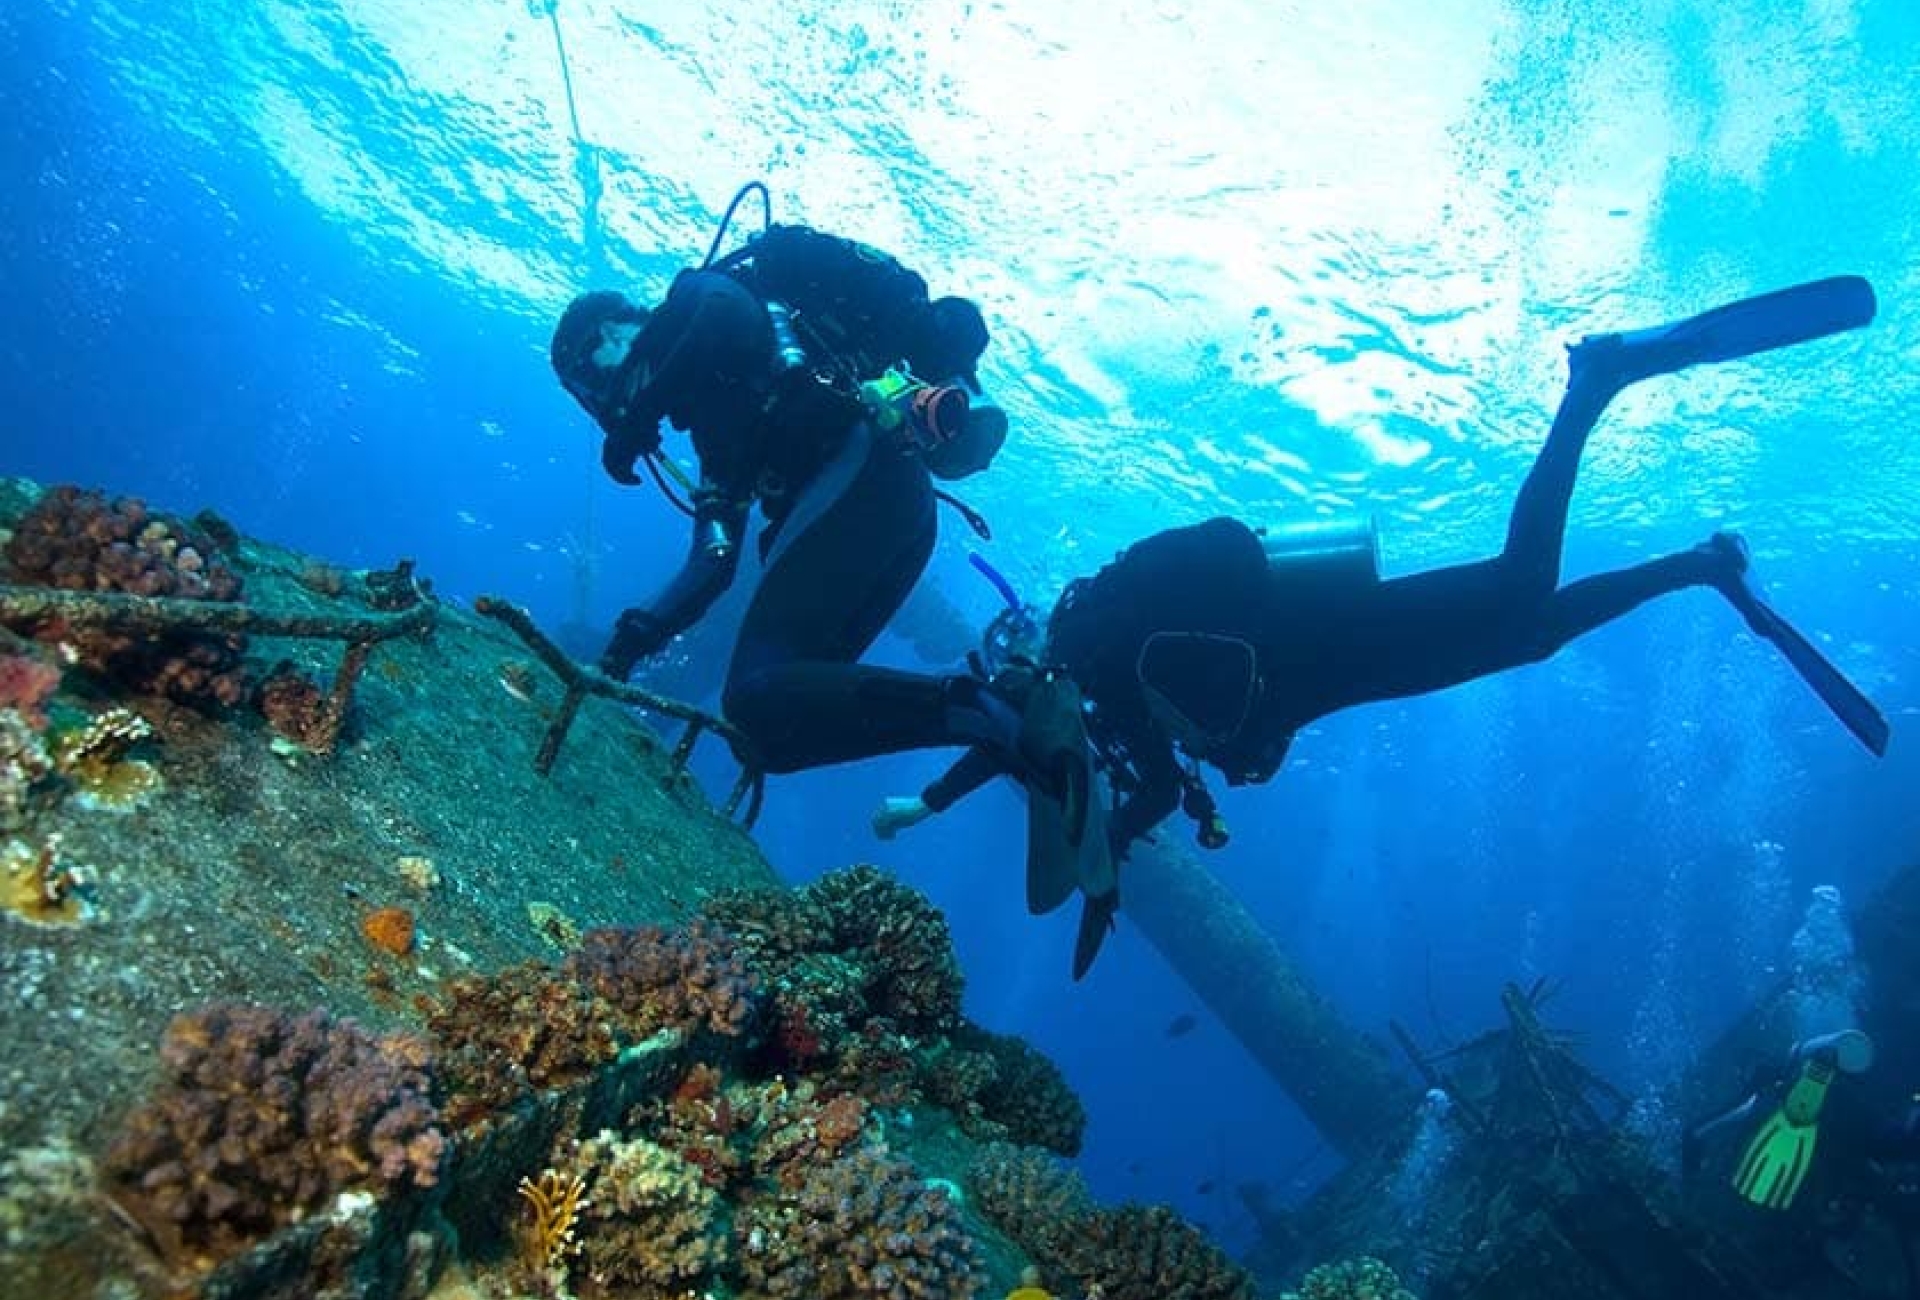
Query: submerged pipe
x=1342 y=1080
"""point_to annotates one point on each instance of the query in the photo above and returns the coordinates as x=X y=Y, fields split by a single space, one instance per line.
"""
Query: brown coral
x=1038 y=1201
x=525 y=1028
x=1000 y=1088
x=296 y=708
x=265 y=1117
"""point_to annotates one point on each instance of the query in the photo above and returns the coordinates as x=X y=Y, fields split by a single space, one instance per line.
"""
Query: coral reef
x=296 y=708
x=75 y=540
x=1001 y=1089
x=264 y=1118
x=1037 y=1200
x=523 y=1029
x=1364 y=1278
x=687 y=978
x=1147 y=1252
x=864 y=1226
x=24 y=764
x=650 y=1224
x=913 y=977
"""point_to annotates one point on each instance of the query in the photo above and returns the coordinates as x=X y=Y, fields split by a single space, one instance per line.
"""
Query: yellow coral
x=94 y=758
x=37 y=886
x=554 y=1201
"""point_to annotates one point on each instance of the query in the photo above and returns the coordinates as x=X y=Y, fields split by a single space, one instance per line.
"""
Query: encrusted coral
x=1135 y=1252
x=296 y=708
x=524 y=1028
x=24 y=763
x=1364 y=1278
x=771 y=925
x=27 y=682
x=77 y=540
x=903 y=938
x=650 y=1224
x=264 y=1118
x=862 y=1227
x=795 y=1129
x=1037 y=1200
x=1147 y=1252
x=686 y=978
x=857 y=967
x=389 y=929
x=1001 y=1088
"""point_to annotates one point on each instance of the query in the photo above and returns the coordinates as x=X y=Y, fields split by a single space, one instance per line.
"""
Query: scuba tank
x=1333 y=555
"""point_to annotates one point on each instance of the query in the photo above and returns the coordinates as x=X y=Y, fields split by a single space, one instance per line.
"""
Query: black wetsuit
x=851 y=525
x=1322 y=648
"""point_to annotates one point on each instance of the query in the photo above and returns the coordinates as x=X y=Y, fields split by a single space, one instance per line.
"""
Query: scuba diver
x=1780 y=1151
x=1215 y=643
x=1821 y=1161
x=818 y=381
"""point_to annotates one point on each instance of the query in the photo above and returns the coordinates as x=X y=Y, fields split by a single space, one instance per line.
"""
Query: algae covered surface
x=250 y=868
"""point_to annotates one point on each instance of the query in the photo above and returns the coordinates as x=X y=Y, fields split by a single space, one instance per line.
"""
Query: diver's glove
x=1196 y=801
x=637 y=635
x=617 y=455
x=896 y=814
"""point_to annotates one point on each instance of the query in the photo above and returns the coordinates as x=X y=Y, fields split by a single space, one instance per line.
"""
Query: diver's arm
x=712 y=559
x=973 y=769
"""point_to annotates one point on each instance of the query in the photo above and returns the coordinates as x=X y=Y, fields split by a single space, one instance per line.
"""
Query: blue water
x=298 y=259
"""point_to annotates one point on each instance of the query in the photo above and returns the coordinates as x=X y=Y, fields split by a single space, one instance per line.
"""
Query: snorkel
x=1012 y=634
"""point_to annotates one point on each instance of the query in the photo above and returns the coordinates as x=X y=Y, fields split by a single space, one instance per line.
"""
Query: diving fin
x=1096 y=923
x=1053 y=859
x=1098 y=872
x=1848 y=702
x=1053 y=744
x=1061 y=813
x=1763 y=323
x=1776 y=1162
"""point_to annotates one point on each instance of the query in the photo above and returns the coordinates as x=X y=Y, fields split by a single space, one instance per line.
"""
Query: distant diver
x=1217 y=643
x=819 y=382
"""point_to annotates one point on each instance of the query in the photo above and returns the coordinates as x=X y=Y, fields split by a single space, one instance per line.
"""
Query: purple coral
x=687 y=978
x=862 y=1227
x=264 y=1118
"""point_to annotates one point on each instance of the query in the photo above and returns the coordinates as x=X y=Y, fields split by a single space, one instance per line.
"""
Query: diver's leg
x=842 y=564
x=1601 y=365
x=1430 y=631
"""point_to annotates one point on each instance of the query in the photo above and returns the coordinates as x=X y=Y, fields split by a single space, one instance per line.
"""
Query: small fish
x=1205 y=1188
x=1182 y=1025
